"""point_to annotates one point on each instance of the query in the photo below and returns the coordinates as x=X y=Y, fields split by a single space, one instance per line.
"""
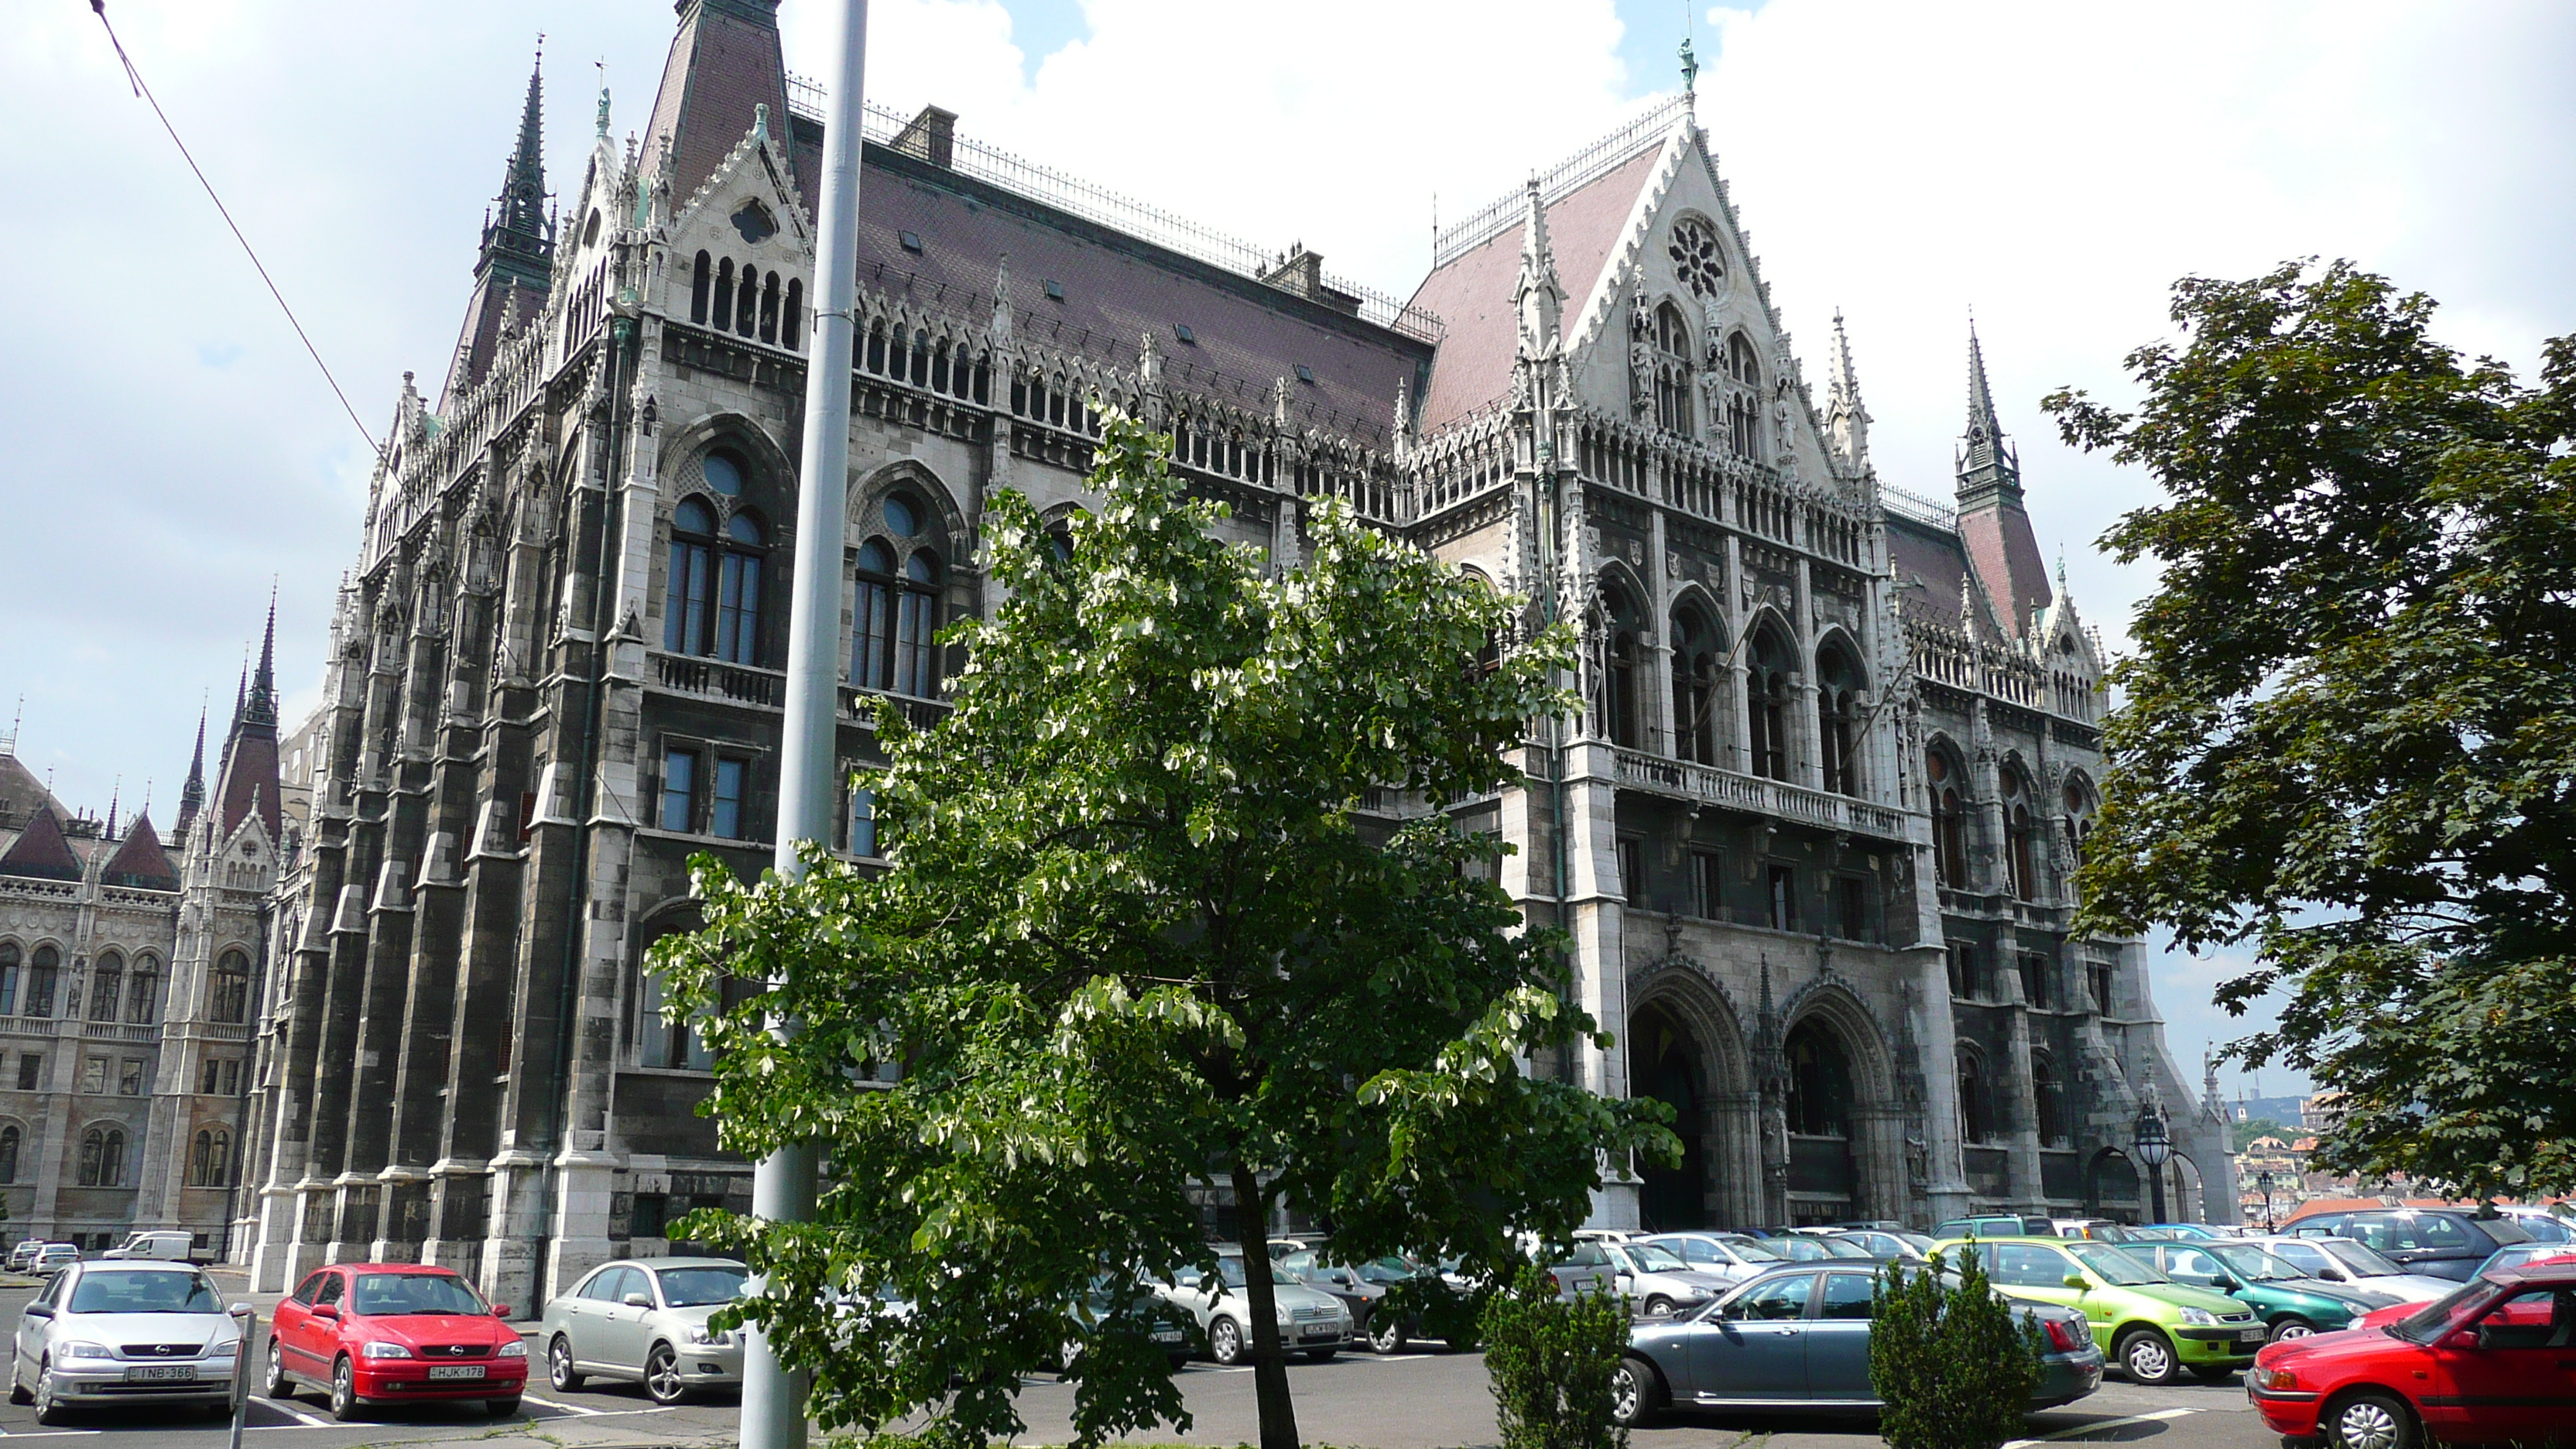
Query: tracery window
x=1976 y=1098
x=712 y=599
x=893 y=644
x=1614 y=703
x=1838 y=685
x=738 y=590
x=2048 y=1098
x=229 y=999
x=1696 y=257
x=2079 y=816
x=208 y=1157
x=1766 y=689
x=107 y=987
x=1743 y=403
x=102 y=1157
x=43 y=969
x=1695 y=660
x=1949 y=819
x=2017 y=851
x=690 y=593
x=143 y=991
x=1673 y=411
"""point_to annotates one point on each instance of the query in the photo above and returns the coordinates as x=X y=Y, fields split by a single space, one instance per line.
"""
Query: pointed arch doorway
x=1667 y=1064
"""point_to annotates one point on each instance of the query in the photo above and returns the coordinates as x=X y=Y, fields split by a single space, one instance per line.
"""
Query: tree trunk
x=1269 y=1357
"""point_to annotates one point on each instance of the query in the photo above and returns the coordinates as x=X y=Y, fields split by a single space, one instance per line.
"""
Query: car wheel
x=1386 y=1334
x=279 y=1385
x=50 y=1411
x=2293 y=1327
x=344 y=1390
x=1225 y=1341
x=1636 y=1392
x=1659 y=1306
x=2147 y=1357
x=662 y=1376
x=17 y=1391
x=559 y=1369
x=2369 y=1420
x=501 y=1408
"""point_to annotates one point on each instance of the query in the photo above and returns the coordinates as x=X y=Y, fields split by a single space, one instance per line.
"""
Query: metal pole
x=773 y=1400
x=248 y=1318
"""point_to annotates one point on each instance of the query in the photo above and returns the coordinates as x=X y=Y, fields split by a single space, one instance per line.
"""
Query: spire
x=192 y=795
x=1537 y=296
x=1992 y=522
x=523 y=190
x=1846 y=421
x=518 y=248
x=262 y=704
x=1988 y=467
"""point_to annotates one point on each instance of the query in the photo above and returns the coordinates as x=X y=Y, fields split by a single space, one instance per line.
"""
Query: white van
x=167 y=1247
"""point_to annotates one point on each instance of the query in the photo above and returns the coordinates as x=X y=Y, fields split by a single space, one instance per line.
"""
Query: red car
x=395 y=1333
x=2493 y=1362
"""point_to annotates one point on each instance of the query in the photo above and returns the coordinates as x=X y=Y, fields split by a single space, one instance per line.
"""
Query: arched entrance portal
x=1821 y=1179
x=1664 y=1063
x=2112 y=1188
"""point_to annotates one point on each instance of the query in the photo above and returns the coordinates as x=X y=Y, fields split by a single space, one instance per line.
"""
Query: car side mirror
x=500 y=1310
x=2330 y=1275
x=242 y=1310
x=2225 y=1284
x=634 y=1300
x=325 y=1310
x=2077 y=1281
x=39 y=1310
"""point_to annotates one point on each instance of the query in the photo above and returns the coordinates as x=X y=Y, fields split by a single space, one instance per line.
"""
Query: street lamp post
x=2155 y=1149
x=2263 y=1180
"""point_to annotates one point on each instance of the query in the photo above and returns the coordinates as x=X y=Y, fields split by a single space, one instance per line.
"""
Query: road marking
x=2156 y=1417
x=567 y=1408
x=292 y=1412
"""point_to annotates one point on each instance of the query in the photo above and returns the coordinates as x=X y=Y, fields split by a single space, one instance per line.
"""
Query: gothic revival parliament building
x=1813 y=838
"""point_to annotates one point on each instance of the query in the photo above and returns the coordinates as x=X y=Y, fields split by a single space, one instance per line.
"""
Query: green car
x=2152 y=1327
x=2290 y=1303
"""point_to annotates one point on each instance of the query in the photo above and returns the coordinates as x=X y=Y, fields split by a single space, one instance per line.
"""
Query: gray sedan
x=1797 y=1337
x=105 y=1334
x=646 y=1319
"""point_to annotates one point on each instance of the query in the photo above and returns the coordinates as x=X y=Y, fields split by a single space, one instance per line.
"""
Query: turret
x=1991 y=521
x=515 y=265
x=1846 y=421
x=1538 y=297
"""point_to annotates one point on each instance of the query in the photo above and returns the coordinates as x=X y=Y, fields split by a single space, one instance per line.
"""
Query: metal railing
x=1583 y=167
x=921 y=714
x=1917 y=507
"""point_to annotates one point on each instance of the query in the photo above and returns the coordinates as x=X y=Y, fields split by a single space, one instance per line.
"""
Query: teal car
x=2290 y=1303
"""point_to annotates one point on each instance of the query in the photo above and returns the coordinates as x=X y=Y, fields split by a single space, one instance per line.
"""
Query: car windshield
x=2435 y=1318
x=1800 y=1250
x=1652 y=1259
x=2253 y=1262
x=2114 y=1266
x=2360 y=1261
x=144 y=1293
x=1389 y=1270
x=1843 y=1248
x=394 y=1295
x=1231 y=1269
x=2551 y=1229
x=697 y=1287
x=1754 y=1252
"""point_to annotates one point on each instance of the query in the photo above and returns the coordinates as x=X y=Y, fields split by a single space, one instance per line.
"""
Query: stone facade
x=554 y=670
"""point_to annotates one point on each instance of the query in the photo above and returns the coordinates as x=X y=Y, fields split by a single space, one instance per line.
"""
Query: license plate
x=1317 y=1330
x=161 y=1373
x=1167 y=1335
x=456 y=1371
x=2250 y=1335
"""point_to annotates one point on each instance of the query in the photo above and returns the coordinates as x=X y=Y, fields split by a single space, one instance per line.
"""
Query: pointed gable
x=40 y=851
x=141 y=862
x=725 y=62
x=22 y=794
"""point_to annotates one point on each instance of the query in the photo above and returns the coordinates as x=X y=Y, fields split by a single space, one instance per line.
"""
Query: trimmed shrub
x=1954 y=1363
x=1552 y=1360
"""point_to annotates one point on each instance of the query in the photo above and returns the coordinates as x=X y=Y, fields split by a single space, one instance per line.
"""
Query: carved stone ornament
x=1697 y=259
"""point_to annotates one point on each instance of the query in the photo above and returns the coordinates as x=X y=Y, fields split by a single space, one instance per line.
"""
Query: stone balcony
x=1706 y=784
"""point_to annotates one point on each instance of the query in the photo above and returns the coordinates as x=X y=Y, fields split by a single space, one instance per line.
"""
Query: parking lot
x=1404 y=1401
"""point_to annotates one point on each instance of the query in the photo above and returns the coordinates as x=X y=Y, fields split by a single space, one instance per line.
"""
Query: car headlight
x=78 y=1348
x=2198 y=1315
x=703 y=1334
x=515 y=1348
x=224 y=1348
x=2275 y=1378
x=381 y=1349
x=1286 y=1317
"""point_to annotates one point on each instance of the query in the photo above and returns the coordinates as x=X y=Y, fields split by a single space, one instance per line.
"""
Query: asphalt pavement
x=1358 y=1400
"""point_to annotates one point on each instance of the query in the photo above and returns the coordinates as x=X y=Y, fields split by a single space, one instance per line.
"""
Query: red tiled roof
x=2007 y=560
x=141 y=862
x=250 y=778
x=40 y=851
x=1473 y=294
x=721 y=66
x=1938 y=558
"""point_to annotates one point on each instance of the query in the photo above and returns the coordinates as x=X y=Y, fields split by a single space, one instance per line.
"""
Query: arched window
x=872 y=627
x=876 y=347
x=1838 y=685
x=229 y=1001
x=1766 y=687
x=1743 y=406
x=106 y=987
x=2079 y=815
x=738 y=590
x=1673 y=411
x=791 y=322
x=1615 y=710
x=102 y=1157
x=689 y=602
x=699 y=278
x=1976 y=1099
x=2048 y=1097
x=9 y=1153
x=43 y=970
x=769 y=308
x=747 y=306
x=1819 y=1083
x=9 y=963
x=920 y=358
x=2025 y=880
x=208 y=1157
x=143 y=990
x=916 y=668
x=722 y=319
x=1941 y=778
x=1695 y=656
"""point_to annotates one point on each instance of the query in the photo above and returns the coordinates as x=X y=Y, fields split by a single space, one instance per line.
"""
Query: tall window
x=2025 y=882
x=2048 y=1096
x=872 y=625
x=1673 y=371
x=897 y=616
x=102 y=1157
x=143 y=990
x=679 y=789
x=42 y=969
x=9 y=1153
x=1949 y=819
x=738 y=590
x=863 y=818
x=724 y=806
x=1819 y=1083
x=2079 y=816
x=2035 y=979
x=1695 y=656
x=230 y=1000
x=1838 y=683
x=208 y=1156
x=1743 y=406
x=107 y=987
x=1615 y=684
x=723 y=315
x=9 y=964
x=1766 y=685
x=1783 y=902
x=1976 y=1099
x=664 y=1043
x=1963 y=971
x=916 y=654
x=690 y=594
x=700 y=276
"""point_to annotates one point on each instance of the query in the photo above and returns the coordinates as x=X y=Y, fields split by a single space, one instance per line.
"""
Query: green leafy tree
x=1134 y=954
x=1552 y=1360
x=2246 y=1132
x=2349 y=733
x=1952 y=1361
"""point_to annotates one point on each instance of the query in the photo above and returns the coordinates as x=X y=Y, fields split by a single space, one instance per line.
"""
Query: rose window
x=1696 y=258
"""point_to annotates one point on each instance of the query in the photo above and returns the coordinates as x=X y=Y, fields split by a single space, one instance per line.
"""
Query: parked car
x=1732 y=1256
x=1586 y=1267
x=2341 y=1260
x=2182 y=1232
x=1361 y=1288
x=1807 y=1248
x=2523 y=1255
x=159 y=1247
x=2545 y=1225
x=2491 y=1362
x=124 y=1333
x=1310 y=1322
x=1798 y=1336
x=1887 y=1243
x=55 y=1257
x=392 y=1333
x=2290 y=1303
x=1997 y=1227
x=2101 y=1230
x=22 y=1254
x=1658 y=1282
x=2439 y=1242
x=2152 y=1327
x=645 y=1319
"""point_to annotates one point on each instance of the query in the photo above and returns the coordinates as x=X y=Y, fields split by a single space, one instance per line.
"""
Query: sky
x=2051 y=167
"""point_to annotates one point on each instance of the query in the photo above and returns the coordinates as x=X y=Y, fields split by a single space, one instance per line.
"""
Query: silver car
x=53 y=1258
x=1658 y=1282
x=1731 y=1256
x=124 y=1333
x=645 y=1319
x=2341 y=1260
x=1315 y=1324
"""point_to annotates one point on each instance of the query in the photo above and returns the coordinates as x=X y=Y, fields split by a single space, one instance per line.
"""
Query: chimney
x=1301 y=273
x=932 y=136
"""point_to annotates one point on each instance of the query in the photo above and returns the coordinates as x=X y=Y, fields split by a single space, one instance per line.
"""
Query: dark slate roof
x=1473 y=294
x=40 y=851
x=22 y=794
x=485 y=313
x=1919 y=550
x=2007 y=561
x=1117 y=288
x=249 y=781
x=724 y=62
x=141 y=862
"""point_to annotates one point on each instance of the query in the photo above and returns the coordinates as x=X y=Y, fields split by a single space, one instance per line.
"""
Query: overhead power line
x=136 y=78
